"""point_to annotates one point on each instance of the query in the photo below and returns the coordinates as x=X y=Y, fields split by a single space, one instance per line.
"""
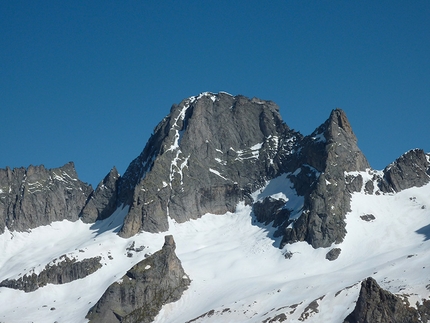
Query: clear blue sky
x=87 y=81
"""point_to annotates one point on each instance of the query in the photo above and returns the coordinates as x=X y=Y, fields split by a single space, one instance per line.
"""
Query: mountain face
x=38 y=196
x=271 y=226
x=211 y=152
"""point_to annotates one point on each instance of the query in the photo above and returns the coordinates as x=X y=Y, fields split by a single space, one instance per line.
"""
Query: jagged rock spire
x=331 y=150
x=103 y=201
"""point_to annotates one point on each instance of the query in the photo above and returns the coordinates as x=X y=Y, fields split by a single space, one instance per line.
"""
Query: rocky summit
x=260 y=224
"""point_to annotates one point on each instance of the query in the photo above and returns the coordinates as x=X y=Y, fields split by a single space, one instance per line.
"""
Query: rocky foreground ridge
x=209 y=153
x=144 y=289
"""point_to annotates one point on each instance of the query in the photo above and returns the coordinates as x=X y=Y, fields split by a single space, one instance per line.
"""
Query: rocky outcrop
x=144 y=289
x=377 y=305
x=60 y=271
x=325 y=156
x=409 y=170
x=103 y=201
x=209 y=153
x=271 y=211
x=38 y=196
x=333 y=254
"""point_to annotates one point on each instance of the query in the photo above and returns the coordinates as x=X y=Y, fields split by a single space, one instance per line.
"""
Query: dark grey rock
x=270 y=210
x=369 y=187
x=377 y=305
x=354 y=183
x=409 y=170
x=38 y=196
x=144 y=289
x=103 y=201
x=208 y=154
x=63 y=271
x=333 y=254
x=424 y=310
x=367 y=217
x=331 y=150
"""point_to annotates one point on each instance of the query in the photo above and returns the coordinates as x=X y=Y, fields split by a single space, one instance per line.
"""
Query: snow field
x=237 y=272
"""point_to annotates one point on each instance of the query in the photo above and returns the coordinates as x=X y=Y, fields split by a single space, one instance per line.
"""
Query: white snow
x=367 y=175
x=217 y=173
x=58 y=177
x=175 y=127
x=177 y=166
x=212 y=96
x=234 y=268
x=282 y=188
x=220 y=161
x=319 y=137
x=252 y=152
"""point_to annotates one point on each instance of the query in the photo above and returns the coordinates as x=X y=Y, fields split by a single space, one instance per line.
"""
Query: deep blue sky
x=87 y=81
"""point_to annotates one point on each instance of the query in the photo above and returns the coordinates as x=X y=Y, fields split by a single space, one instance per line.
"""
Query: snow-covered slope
x=237 y=271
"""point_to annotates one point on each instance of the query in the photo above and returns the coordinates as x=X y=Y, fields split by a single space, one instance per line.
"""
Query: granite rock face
x=144 y=289
x=377 y=305
x=208 y=154
x=38 y=196
x=63 y=271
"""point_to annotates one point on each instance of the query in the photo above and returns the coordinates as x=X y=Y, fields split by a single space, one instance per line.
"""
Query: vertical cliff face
x=210 y=152
x=38 y=196
x=144 y=289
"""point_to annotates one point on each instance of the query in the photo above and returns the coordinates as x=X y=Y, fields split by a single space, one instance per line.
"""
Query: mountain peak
x=338 y=117
x=204 y=157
